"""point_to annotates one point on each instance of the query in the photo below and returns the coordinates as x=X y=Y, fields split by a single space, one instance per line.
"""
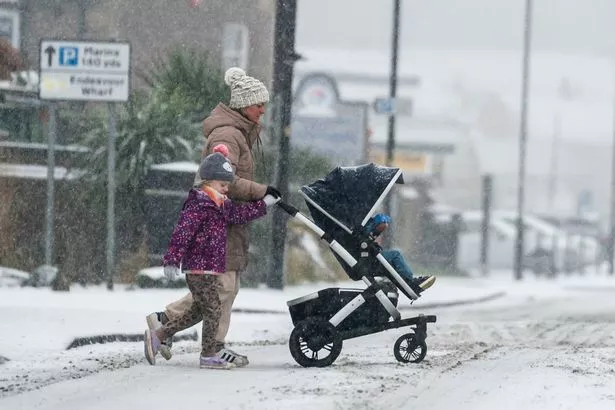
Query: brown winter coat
x=228 y=127
x=10 y=60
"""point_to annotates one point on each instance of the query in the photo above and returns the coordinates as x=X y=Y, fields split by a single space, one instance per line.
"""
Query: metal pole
x=392 y=95
x=552 y=185
x=486 y=224
x=611 y=242
x=82 y=7
x=111 y=197
x=518 y=265
x=49 y=232
x=284 y=59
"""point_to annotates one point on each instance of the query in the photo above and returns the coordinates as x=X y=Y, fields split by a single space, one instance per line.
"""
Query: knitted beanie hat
x=215 y=167
x=245 y=90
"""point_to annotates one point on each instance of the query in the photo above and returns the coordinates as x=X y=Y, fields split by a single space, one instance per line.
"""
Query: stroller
x=341 y=204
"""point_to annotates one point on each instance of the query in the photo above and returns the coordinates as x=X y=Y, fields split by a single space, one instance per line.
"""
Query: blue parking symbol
x=69 y=56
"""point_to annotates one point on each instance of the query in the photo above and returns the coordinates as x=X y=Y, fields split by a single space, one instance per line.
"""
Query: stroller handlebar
x=291 y=210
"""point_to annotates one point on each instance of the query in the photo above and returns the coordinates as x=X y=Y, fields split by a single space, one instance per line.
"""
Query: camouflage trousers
x=205 y=306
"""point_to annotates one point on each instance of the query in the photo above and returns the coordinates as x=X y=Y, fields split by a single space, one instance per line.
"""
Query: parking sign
x=69 y=56
x=84 y=70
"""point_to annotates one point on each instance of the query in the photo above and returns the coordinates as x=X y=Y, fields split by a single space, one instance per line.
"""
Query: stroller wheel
x=315 y=342
x=408 y=350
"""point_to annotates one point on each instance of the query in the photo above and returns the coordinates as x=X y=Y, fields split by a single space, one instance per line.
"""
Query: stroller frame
x=359 y=312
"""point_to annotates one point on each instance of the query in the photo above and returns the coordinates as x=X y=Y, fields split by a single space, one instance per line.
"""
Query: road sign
x=388 y=106
x=85 y=71
x=384 y=105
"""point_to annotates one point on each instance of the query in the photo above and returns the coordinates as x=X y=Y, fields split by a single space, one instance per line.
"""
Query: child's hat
x=215 y=167
x=377 y=223
x=382 y=219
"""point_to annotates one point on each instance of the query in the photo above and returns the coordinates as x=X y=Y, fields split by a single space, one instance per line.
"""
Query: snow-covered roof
x=38 y=172
x=42 y=146
x=182 y=166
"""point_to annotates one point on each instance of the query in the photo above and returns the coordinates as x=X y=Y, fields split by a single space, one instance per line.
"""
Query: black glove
x=273 y=191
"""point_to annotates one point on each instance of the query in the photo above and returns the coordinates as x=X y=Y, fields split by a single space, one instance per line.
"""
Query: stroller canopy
x=350 y=194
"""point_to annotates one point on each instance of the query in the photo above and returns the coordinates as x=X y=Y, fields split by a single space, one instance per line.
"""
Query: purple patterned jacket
x=198 y=241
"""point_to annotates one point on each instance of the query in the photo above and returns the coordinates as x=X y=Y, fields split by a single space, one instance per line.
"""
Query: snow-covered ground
x=532 y=344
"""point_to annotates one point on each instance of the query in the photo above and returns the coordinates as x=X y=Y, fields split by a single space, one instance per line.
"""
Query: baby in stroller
x=375 y=227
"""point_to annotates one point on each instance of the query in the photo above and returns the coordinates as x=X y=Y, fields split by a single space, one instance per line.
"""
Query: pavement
x=447 y=291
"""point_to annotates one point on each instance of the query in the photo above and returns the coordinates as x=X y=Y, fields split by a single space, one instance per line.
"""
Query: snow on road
x=548 y=350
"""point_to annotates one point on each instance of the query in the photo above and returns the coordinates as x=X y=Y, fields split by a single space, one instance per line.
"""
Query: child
x=378 y=224
x=198 y=245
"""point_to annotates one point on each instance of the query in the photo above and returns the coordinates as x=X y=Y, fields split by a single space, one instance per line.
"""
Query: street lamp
x=611 y=241
x=527 y=35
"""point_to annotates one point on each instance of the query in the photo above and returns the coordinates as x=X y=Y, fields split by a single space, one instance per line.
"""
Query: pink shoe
x=151 y=346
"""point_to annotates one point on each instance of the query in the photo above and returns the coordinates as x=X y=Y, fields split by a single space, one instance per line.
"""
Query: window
x=235 y=46
x=9 y=26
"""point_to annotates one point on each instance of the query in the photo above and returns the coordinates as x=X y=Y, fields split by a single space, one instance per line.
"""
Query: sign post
x=50 y=214
x=87 y=71
x=390 y=152
x=111 y=197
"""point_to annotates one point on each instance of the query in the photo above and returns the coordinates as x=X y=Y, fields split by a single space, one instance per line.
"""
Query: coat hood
x=223 y=116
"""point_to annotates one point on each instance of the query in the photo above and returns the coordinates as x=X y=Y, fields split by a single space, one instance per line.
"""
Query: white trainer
x=233 y=357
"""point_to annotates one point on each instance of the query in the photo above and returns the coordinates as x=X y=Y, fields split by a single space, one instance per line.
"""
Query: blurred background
x=500 y=113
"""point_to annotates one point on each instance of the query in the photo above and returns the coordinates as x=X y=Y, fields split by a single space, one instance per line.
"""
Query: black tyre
x=315 y=342
x=408 y=350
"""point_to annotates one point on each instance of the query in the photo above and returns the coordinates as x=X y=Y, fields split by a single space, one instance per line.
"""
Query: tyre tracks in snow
x=566 y=338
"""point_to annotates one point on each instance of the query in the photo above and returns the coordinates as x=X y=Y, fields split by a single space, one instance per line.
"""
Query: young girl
x=198 y=245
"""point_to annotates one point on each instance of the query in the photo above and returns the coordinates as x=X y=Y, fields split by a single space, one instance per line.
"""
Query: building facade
x=233 y=32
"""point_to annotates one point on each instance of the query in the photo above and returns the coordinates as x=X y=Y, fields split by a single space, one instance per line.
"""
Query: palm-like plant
x=149 y=131
x=160 y=124
x=189 y=77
